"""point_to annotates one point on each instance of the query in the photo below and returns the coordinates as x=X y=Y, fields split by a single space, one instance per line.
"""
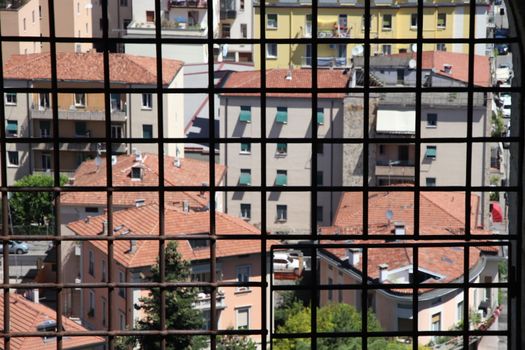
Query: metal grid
x=513 y=285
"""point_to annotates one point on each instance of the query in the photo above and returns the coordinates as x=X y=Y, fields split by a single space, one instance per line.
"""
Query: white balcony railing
x=203 y=301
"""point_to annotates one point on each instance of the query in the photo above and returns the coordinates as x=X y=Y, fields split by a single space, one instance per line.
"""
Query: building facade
x=345 y=19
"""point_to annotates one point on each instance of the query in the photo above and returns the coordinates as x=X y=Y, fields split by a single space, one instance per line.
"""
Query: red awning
x=496 y=211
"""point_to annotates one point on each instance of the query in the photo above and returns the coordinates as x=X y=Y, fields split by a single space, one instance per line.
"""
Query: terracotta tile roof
x=25 y=315
x=192 y=172
x=459 y=63
x=89 y=66
x=276 y=78
x=441 y=212
x=144 y=221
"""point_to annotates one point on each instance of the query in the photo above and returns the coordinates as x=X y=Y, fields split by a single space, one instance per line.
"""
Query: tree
x=180 y=313
x=333 y=318
x=498 y=124
x=33 y=208
x=235 y=342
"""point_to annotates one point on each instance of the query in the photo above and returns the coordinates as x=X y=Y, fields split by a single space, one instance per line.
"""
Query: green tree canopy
x=33 y=208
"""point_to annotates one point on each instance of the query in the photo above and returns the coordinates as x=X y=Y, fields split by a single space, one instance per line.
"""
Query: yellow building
x=345 y=19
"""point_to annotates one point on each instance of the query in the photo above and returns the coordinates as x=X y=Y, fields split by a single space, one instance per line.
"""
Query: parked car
x=288 y=262
x=501 y=33
x=504 y=73
x=502 y=49
x=507 y=104
x=16 y=247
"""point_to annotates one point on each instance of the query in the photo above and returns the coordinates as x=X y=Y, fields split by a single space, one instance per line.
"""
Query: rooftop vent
x=447 y=68
x=383 y=272
x=399 y=229
x=177 y=162
x=47 y=326
x=113 y=160
x=140 y=203
x=186 y=206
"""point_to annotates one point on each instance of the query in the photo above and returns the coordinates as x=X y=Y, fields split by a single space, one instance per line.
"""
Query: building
x=393 y=115
x=236 y=20
x=237 y=261
x=438 y=308
x=179 y=19
x=26 y=316
x=20 y=18
x=119 y=17
x=82 y=115
x=345 y=19
x=288 y=115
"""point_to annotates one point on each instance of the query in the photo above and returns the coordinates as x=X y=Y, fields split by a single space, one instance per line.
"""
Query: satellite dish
x=389 y=214
x=413 y=47
x=412 y=64
x=358 y=50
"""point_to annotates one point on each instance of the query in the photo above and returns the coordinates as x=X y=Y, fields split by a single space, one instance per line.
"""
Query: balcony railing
x=168 y=28
x=75 y=114
x=189 y=3
x=81 y=147
x=203 y=301
x=405 y=168
x=228 y=14
x=326 y=62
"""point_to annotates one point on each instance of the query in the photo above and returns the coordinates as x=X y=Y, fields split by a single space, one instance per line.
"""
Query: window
x=459 y=311
x=432 y=120
x=147 y=131
x=271 y=50
x=436 y=322
x=381 y=149
x=45 y=128
x=78 y=8
x=124 y=3
x=281 y=178
x=400 y=76
x=226 y=29
x=246 y=148
x=126 y=22
x=243 y=317
x=431 y=152
x=91 y=262
x=11 y=128
x=281 y=149
x=121 y=279
x=320 y=116
x=147 y=101
x=104 y=312
x=330 y=291
x=136 y=173
x=12 y=158
x=282 y=115
x=442 y=20
x=363 y=20
x=122 y=320
x=244 y=30
x=33 y=16
x=43 y=101
x=413 y=20
x=91 y=308
x=46 y=161
x=387 y=49
x=245 y=178
x=116 y=131
x=87 y=28
x=441 y=47
x=91 y=210
x=81 y=129
x=243 y=275
x=241 y=6
x=320 y=213
x=103 y=267
x=10 y=99
x=24 y=24
x=150 y=16
x=80 y=100
x=320 y=148
x=431 y=181
x=271 y=21
x=246 y=211
x=387 y=22
x=282 y=213
x=319 y=178
x=308 y=27
x=246 y=114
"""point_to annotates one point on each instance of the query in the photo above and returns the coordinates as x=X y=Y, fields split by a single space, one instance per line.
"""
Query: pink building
x=438 y=308
x=237 y=260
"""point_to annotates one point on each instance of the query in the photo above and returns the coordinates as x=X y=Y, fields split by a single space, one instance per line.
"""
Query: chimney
x=113 y=160
x=71 y=181
x=186 y=206
x=383 y=273
x=105 y=227
x=447 y=68
x=177 y=163
x=354 y=256
x=36 y=296
x=399 y=229
x=132 y=246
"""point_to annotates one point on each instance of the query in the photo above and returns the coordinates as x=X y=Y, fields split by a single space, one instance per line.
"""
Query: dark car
x=501 y=33
x=502 y=49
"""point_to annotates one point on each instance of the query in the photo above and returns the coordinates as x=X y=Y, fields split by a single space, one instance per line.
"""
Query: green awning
x=281 y=117
x=281 y=180
x=245 y=179
x=245 y=116
x=282 y=147
x=320 y=118
x=12 y=127
x=431 y=152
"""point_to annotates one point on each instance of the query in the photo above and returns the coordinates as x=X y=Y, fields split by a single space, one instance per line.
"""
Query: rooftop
x=191 y=172
x=26 y=315
x=144 y=221
x=74 y=66
x=277 y=78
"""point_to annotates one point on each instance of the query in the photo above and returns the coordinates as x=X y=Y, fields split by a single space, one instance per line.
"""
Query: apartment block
x=438 y=308
x=119 y=17
x=83 y=115
x=179 y=19
x=20 y=18
x=288 y=115
x=236 y=21
x=237 y=261
x=389 y=19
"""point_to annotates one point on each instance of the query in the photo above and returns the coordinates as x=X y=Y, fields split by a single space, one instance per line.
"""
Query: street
x=23 y=266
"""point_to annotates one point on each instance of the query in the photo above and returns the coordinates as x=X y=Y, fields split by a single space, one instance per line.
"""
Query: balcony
x=228 y=14
x=78 y=114
x=81 y=147
x=188 y=3
x=203 y=301
x=395 y=168
x=169 y=28
x=326 y=62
